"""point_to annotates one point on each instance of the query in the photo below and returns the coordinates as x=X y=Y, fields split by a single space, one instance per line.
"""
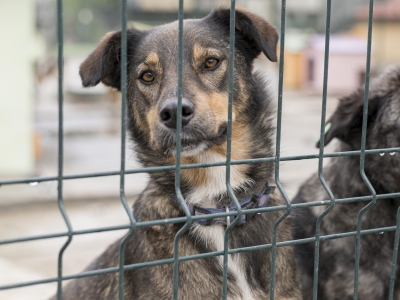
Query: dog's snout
x=169 y=109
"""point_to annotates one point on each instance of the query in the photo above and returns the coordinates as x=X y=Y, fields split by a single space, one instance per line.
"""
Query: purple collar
x=254 y=201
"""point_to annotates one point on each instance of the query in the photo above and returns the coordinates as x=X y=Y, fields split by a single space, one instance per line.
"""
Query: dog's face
x=204 y=90
x=153 y=78
x=383 y=126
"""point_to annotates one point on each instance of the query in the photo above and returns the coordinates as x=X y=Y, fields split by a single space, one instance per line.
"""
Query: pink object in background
x=347 y=60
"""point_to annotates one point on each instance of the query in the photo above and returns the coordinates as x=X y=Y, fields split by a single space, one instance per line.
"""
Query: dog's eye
x=211 y=63
x=147 y=77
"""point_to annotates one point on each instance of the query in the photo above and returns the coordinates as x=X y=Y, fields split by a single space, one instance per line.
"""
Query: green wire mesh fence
x=188 y=219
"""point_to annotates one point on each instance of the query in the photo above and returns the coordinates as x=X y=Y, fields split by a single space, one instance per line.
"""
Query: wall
x=293 y=70
x=344 y=74
x=17 y=25
x=385 y=40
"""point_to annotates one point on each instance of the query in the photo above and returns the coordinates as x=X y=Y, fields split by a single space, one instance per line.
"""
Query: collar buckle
x=228 y=218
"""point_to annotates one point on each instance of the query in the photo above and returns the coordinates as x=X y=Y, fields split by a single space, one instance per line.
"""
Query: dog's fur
x=336 y=261
x=203 y=140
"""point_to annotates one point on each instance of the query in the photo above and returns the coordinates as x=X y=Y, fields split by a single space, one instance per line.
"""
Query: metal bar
x=395 y=254
x=362 y=156
x=199 y=256
x=178 y=157
x=200 y=165
x=183 y=219
x=124 y=72
x=278 y=150
x=321 y=152
x=60 y=201
x=229 y=150
x=121 y=268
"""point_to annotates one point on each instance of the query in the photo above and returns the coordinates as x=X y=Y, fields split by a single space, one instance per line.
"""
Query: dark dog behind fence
x=369 y=200
x=336 y=264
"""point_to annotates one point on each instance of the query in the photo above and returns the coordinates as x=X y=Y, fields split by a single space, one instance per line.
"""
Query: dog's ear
x=346 y=122
x=103 y=64
x=258 y=34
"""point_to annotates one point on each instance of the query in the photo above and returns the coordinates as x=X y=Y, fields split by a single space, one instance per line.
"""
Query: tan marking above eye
x=152 y=59
x=211 y=63
x=147 y=76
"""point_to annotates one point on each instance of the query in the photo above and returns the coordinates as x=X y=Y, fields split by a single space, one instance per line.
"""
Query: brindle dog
x=336 y=261
x=152 y=109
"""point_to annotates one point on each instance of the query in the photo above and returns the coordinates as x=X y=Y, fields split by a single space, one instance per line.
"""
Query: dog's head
x=153 y=78
x=383 y=127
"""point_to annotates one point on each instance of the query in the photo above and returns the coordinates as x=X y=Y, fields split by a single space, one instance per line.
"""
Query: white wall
x=17 y=32
x=310 y=6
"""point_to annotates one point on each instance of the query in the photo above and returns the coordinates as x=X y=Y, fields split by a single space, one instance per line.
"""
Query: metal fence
x=189 y=219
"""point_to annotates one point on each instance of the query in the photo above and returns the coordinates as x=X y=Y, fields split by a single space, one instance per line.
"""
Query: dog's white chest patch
x=216 y=180
x=215 y=235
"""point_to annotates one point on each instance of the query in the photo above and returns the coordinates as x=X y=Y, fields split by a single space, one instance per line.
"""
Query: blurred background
x=29 y=113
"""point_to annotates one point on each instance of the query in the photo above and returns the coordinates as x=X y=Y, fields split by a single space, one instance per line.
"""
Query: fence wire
x=188 y=219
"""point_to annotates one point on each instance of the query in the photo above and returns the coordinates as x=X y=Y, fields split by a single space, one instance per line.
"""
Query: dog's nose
x=169 y=109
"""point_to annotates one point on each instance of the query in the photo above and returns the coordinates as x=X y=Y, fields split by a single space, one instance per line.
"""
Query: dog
x=337 y=257
x=152 y=109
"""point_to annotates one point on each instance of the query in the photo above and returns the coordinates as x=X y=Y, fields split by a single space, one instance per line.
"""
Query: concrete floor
x=37 y=260
x=92 y=203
